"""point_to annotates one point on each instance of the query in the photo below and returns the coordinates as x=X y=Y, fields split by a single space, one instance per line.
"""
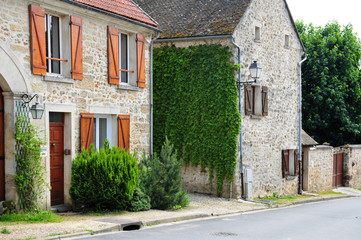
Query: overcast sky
x=320 y=12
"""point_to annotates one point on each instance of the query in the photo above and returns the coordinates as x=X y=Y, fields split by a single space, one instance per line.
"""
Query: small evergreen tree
x=160 y=179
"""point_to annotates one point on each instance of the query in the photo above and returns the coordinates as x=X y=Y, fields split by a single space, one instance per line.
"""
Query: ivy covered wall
x=195 y=106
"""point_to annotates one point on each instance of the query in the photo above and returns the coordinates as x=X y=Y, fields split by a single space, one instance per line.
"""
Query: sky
x=320 y=12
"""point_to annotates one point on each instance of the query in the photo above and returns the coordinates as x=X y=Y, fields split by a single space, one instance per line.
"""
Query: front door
x=2 y=152
x=57 y=162
x=337 y=170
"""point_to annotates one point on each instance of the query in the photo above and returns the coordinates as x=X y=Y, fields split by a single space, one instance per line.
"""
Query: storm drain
x=124 y=224
x=131 y=227
x=224 y=234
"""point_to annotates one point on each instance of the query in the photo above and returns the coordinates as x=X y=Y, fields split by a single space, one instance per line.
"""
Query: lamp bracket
x=26 y=98
x=246 y=83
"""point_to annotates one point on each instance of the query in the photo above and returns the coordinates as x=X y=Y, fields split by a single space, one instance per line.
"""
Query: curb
x=78 y=234
x=175 y=219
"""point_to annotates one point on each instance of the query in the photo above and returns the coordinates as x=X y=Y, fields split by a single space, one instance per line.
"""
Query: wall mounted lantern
x=37 y=109
x=255 y=70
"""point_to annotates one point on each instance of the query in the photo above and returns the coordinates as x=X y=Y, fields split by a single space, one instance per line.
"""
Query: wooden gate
x=2 y=152
x=337 y=170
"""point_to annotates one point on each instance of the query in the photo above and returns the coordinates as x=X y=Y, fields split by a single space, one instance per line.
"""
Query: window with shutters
x=256 y=100
x=289 y=163
x=126 y=58
x=102 y=130
x=56 y=50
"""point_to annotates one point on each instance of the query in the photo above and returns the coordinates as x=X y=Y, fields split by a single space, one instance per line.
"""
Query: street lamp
x=37 y=109
x=255 y=70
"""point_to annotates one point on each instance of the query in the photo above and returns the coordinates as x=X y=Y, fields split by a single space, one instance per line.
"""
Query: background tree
x=331 y=83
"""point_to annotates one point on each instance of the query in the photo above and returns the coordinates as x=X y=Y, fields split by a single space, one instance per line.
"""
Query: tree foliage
x=195 y=106
x=331 y=83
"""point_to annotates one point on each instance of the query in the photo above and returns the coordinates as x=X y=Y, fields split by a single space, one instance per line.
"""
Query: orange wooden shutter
x=113 y=55
x=76 y=47
x=264 y=101
x=37 y=40
x=123 y=131
x=141 y=60
x=86 y=130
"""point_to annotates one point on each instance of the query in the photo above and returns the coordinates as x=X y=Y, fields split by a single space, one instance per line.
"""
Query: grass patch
x=359 y=189
x=281 y=199
x=32 y=217
x=5 y=231
x=330 y=193
x=91 y=231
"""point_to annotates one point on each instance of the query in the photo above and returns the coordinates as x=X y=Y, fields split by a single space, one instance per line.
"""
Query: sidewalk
x=80 y=225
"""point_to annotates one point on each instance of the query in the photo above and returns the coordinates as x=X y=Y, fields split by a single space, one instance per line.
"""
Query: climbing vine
x=195 y=106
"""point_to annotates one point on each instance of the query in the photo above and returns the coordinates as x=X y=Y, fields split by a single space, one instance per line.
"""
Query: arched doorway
x=2 y=148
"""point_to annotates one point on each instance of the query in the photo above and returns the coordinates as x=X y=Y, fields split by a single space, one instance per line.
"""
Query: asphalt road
x=338 y=219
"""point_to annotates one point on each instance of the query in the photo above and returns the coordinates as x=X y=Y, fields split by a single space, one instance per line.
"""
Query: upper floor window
x=53 y=44
x=257 y=34
x=287 y=41
x=124 y=58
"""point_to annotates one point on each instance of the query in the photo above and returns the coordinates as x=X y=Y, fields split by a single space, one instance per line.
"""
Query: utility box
x=248 y=184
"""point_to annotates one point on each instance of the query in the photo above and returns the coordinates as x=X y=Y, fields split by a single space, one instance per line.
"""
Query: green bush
x=104 y=179
x=160 y=179
x=139 y=202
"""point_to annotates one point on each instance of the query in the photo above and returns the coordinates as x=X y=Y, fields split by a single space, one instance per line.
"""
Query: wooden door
x=57 y=162
x=2 y=152
x=337 y=170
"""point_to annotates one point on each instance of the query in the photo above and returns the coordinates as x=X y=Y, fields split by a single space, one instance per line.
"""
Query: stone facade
x=93 y=94
x=352 y=166
x=318 y=168
x=264 y=137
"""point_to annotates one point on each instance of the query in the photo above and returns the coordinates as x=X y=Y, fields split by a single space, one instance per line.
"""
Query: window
x=102 y=130
x=55 y=50
x=287 y=41
x=124 y=58
x=256 y=100
x=53 y=44
x=289 y=163
x=257 y=34
x=94 y=129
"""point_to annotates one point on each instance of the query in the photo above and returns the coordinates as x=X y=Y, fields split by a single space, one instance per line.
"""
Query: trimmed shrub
x=104 y=179
x=139 y=202
x=160 y=178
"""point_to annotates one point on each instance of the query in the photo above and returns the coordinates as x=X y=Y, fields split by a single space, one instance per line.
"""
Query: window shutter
x=123 y=131
x=248 y=99
x=141 y=60
x=285 y=163
x=37 y=40
x=76 y=47
x=297 y=167
x=264 y=101
x=113 y=55
x=86 y=130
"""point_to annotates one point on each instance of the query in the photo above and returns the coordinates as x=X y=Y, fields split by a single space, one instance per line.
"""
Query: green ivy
x=195 y=106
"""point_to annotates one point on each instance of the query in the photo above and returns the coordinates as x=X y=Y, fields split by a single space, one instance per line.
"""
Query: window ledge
x=289 y=178
x=257 y=40
x=58 y=79
x=256 y=116
x=127 y=87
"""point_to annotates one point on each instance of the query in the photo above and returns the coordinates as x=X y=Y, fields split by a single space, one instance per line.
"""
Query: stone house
x=88 y=61
x=265 y=32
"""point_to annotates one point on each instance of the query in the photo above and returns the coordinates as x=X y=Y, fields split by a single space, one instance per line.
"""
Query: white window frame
x=109 y=129
x=120 y=58
x=48 y=50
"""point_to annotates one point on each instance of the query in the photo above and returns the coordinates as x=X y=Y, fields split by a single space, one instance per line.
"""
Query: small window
x=124 y=57
x=256 y=100
x=53 y=43
x=289 y=163
x=56 y=117
x=257 y=33
x=287 y=41
x=102 y=130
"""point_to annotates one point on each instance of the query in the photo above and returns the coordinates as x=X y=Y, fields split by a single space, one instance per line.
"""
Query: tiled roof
x=191 y=18
x=124 y=8
x=307 y=140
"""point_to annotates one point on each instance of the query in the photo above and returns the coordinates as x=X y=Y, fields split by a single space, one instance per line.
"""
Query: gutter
x=193 y=38
x=240 y=113
x=151 y=94
x=300 y=182
x=112 y=15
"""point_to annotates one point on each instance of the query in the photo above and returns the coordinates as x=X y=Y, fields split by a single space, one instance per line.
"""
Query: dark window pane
x=102 y=131
x=124 y=57
x=95 y=132
x=56 y=117
x=46 y=41
x=55 y=43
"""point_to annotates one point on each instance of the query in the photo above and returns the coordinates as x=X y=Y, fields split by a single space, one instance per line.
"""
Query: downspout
x=240 y=113
x=151 y=95
x=300 y=182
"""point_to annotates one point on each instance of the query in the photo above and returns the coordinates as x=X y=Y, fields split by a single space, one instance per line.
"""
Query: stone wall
x=93 y=94
x=352 y=166
x=318 y=168
x=264 y=138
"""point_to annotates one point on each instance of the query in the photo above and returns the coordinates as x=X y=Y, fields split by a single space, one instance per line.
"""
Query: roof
x=125 y=8
x=193 y=18
x=307 y=140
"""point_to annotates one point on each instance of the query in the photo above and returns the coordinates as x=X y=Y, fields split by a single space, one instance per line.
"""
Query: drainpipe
x=240 y=113
x=151 y=95
x=300 y=182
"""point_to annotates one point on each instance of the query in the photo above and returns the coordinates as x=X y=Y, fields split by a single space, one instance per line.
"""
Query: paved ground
x=200 y=206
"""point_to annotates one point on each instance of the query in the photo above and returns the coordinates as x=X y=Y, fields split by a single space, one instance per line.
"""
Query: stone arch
x=12 y=77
